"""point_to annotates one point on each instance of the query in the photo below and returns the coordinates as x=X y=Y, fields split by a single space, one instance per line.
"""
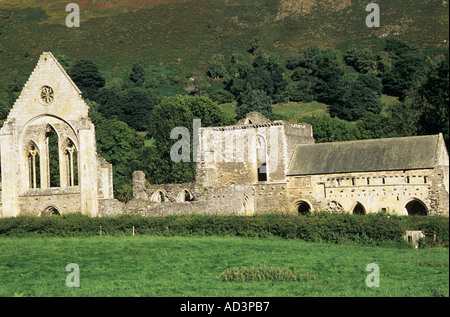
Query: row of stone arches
x=414 y=207
x=161 y=196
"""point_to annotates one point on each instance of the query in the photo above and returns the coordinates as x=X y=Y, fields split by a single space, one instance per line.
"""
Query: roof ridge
x=376 y=139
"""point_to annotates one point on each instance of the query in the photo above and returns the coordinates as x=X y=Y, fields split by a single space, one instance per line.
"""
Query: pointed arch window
x=261 y=158
x=33 y=162
x=71 y=163
x=52 y=141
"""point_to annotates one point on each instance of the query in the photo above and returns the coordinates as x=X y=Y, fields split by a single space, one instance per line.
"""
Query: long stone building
x=258 y=166
x=255 y=166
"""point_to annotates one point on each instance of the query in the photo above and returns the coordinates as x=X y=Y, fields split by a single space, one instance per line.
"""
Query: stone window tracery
x=47 y=94
x=33 y=159
x=71 y=162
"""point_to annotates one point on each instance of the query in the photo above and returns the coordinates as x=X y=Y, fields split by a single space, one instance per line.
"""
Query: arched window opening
x=261 y=158
x=262 y=173
x=416 y=208
x=188 y=196
x=158 y=196
x=51 y=138
x=71 y=163
x=33 y=161
x=359 y=209
x=303 y=208
x=185 y=195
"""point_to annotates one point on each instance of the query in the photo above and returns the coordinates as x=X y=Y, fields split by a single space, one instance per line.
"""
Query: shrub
x=371 y=229
x=271 y=273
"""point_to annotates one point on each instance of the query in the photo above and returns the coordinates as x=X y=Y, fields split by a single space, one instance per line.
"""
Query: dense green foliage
x=154 y=99
x=87 y=77
x=373 y=229
x=250 y=61
x=177 y=112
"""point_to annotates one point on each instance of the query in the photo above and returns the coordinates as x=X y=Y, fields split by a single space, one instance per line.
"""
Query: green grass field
x=192 y=266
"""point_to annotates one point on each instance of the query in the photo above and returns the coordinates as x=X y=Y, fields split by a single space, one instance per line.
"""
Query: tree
x=63 y=60
x=201 y=84
x=202 y=107
x=433 y=98
x=363 y=96
x=172 y=112
x=6 y=103
x=301 y=88
x=119 y=145
x=327 y=129
x=397 y=120
x=87 y=77
x=137 y=104
x=254 y=100
x=264 y=74
x=255 y=45
x=133 y=106
x=216 y=66
x=408 y=68
x=363 y=60
x=137 y=74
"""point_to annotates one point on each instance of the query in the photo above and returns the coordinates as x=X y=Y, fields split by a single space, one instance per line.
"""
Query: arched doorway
x=302 y=207
x=416 y=208
x=359 y=209
x=52 y=211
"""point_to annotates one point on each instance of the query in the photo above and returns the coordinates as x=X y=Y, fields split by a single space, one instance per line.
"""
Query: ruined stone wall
x=271 y=198
x=168 y=199
x=389 y=190
x=50 y=101
x=39 y=202
x=232 y=155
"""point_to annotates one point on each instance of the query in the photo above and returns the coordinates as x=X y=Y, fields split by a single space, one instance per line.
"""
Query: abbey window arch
x=70 y=158
x=33 y=165
x=261 y=158
x=53 y=166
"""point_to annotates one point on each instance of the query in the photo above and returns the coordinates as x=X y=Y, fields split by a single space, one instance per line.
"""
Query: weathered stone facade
x=51 y=103
x=255 y=166
x=399 y=175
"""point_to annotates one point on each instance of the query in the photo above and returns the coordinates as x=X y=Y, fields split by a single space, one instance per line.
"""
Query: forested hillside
x=145 y=67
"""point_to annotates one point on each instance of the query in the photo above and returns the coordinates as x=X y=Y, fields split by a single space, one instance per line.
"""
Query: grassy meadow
x=193 y=266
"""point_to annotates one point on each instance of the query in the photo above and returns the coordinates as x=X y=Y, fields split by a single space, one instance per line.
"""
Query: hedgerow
x=373 y=229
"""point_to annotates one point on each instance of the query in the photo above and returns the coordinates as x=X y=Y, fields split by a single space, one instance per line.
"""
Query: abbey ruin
x=256 y=166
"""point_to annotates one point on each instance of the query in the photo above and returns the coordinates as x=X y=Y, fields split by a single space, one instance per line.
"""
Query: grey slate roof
x=403 y=153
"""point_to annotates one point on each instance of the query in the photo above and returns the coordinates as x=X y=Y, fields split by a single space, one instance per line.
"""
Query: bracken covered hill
x=188 y=32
